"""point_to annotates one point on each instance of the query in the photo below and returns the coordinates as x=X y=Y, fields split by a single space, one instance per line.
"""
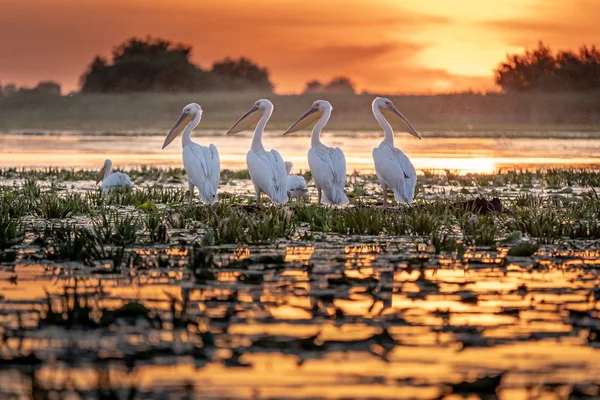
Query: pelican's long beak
x=178 y=127
x=393 y=111
x=246 y=121
x=100 y=176
x=309 y=118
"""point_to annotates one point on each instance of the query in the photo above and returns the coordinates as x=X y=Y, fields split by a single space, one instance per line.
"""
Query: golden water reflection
x=467 y=154
x=325 y=320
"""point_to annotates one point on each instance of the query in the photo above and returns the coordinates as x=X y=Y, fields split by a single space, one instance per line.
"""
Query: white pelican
x=327 y=164
x=296 y=184
x=114 y=180
x=266 y=168
x=201 y=163
x=394 y=170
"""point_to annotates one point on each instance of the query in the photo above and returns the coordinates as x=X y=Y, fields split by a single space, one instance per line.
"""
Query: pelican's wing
x=267 y=171
x=200 y=167
x=328 y=168
x=395 y=170
x=215 y=166
x=279 y=176
x=116 y=179
x=339 y=167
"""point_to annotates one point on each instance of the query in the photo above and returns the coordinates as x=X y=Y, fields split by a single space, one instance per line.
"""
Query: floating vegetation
x=125 y=286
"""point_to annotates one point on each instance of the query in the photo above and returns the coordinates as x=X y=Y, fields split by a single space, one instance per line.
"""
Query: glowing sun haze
x=425 y=46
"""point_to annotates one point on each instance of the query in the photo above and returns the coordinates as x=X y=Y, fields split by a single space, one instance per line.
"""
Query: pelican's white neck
x=387 y=128
x=260 y=128
x=186 y=138
x=107 y=168
x=315 y=139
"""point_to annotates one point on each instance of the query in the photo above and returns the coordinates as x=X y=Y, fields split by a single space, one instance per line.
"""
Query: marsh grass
x=240 y=226
x=11 y=230
x=68 y=243
x=480 y=230
x=46 y=174
x=51 y=205
x=155 y=228
x=235 y=219
x=228 y=175
x=153 y=194
x=115 y=229
x=13 y=204
x=443 y=241
x=551 y=177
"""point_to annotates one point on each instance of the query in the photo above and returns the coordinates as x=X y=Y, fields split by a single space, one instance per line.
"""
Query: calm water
x=310 y=326
x=339 y=317
x=450 y=151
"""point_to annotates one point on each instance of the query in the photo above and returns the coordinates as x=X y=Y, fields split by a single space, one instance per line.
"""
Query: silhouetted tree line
x=541 y=70
x=336 y=85
x=159 y=65
x=43 y=87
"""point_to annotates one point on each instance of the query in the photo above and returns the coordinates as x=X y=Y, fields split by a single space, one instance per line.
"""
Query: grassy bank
x=153 y=111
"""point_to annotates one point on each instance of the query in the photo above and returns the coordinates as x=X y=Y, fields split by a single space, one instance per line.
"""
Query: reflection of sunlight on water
x=287 y=312
x=241 y=253
x=299 y=253
x=465 y=165
x=360 y=256
x=344 y=374
x=432 y=306
x=483 y=155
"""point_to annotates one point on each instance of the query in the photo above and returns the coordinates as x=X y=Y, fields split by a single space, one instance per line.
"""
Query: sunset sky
x=424 y=46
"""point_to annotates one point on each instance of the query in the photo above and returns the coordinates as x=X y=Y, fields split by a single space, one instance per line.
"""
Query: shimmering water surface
x=321 y=316
x=445 y=150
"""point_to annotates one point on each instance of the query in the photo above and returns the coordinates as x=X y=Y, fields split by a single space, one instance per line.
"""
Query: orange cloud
x=382 y=45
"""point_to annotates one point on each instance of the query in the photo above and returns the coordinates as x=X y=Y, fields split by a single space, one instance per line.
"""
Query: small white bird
x=393 y=168
x=296 y=184
x=201 y=163
x=327 y=164
x=114 y=180
x=266 y=168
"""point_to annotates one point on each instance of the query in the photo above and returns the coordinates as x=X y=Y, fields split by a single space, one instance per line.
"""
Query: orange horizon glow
x=425 y=47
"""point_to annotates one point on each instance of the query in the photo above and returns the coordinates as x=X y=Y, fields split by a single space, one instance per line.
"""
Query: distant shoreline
x=156 y=112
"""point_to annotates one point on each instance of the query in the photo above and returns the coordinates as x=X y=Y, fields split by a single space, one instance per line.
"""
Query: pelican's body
x=266 y=168
x=114 y=180
x=393 y=168
x=327 y=164
x=201 y=163
x=296 y=184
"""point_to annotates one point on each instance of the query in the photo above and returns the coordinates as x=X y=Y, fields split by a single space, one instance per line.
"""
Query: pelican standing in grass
x=393 y=168
x=296 y=184
x=266 y=168
x=327 y=164
x=114 y=180
x=201 y=163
